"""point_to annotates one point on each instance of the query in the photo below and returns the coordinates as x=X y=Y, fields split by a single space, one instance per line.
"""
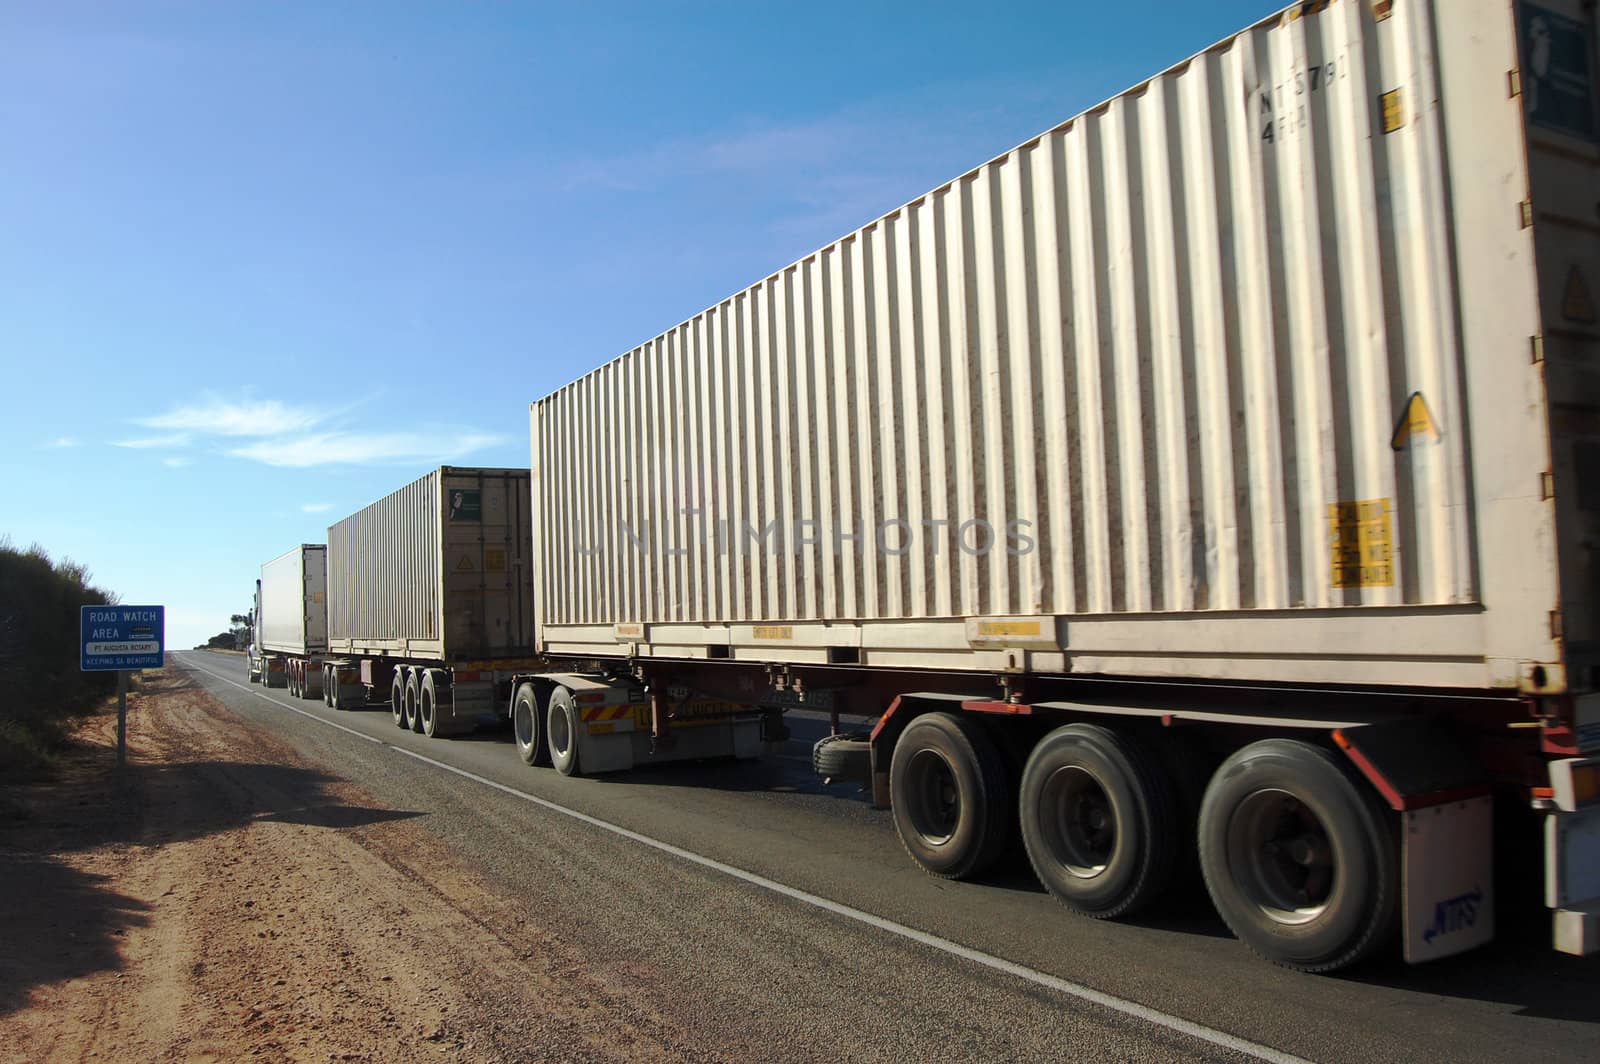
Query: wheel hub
x=1284 y=862
x=1079 y=821
x=935 y=800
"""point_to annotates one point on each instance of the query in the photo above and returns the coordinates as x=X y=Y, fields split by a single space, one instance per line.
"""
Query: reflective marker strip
x=1083 y=993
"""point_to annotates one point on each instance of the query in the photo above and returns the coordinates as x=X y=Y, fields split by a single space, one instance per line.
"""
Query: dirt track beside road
x=223 y=898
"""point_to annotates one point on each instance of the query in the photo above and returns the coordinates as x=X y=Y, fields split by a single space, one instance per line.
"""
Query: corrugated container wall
x=294 y=610
x=1183 y=367
x=437 y=570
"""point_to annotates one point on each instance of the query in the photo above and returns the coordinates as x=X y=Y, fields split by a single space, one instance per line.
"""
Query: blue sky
x=261 y=263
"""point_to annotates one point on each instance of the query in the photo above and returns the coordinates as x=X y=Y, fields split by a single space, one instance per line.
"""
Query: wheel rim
x=1078 y=821
x=1281 y=857
x=397 y=702
x=934 y=800
x=425 y=709
x=560 y=731
x=522 y=722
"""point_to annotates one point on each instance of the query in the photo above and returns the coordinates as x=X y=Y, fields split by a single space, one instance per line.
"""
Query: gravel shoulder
x=222 y=897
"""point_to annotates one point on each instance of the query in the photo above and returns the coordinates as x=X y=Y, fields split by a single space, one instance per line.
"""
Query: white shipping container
x=437 y=570
x=294 y=609
x=1279 y=366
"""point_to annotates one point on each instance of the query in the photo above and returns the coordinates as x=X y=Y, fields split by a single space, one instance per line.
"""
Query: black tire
x=1098 y=821
x=428 y=721
x=327 y=689
x=294 y=679
x=525 y=726
x=847 y=756
x=1299 y=858
x=950 y=795
x=397 y=698
x=412 y=691
x=562 y=721
x=330 y=689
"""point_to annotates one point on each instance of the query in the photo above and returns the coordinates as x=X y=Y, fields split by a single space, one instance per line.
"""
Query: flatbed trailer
x=1208 y=480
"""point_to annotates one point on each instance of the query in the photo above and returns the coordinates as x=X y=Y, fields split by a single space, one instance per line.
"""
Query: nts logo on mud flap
x=1454 y=914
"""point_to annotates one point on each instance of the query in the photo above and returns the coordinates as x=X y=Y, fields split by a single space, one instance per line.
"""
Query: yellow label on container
x=1393 y=113
x=988 y=628
x=494 y=561
x=774 y=631
x=1361 y=544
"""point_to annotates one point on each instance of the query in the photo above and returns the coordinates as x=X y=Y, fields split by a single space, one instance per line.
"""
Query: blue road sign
x=122 y=637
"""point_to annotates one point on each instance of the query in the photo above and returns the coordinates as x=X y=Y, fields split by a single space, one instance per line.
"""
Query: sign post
x=122 y=638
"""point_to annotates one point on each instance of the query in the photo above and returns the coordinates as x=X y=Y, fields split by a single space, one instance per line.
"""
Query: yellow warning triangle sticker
x=1575 y=303
x=1416 y=424
x=464 y=565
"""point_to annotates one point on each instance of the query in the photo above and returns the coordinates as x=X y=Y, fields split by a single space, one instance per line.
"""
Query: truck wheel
x=1298 y=856
x=411 y=696
x=562 y=722
x=428 y=707
x=330 y=689
x=1098 y=821
x=525 y=725
x=295 y=686
x=327 y=688
x=397 y=699
x=950 y=794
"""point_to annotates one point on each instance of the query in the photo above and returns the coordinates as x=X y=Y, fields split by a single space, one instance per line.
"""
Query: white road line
x=1133 y=1009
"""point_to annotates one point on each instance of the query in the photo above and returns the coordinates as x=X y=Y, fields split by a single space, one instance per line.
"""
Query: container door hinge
x=1547 y=486
x=1514 y=83
x=1536 y=343
x=1555 y=624
x=1525 y=209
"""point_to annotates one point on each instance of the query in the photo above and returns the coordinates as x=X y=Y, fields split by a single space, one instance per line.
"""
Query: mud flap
x=1448 y=878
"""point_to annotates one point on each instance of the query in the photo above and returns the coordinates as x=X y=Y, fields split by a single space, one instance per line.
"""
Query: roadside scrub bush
x=44 y=691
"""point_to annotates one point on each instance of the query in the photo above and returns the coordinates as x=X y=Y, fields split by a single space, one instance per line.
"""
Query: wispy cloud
x=825 y=174
x=175 y=461
x=60 y=443
x=316 y=507
x=361 y=448
x=754 y=149
x=219 y=417
x=294 y=436
x=145 y=443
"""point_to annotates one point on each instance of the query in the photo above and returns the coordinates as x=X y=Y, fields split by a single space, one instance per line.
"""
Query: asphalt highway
x=795 y=927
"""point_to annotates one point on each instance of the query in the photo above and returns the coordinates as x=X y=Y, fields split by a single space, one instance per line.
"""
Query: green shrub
x=39 y=630
x=24 y=753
